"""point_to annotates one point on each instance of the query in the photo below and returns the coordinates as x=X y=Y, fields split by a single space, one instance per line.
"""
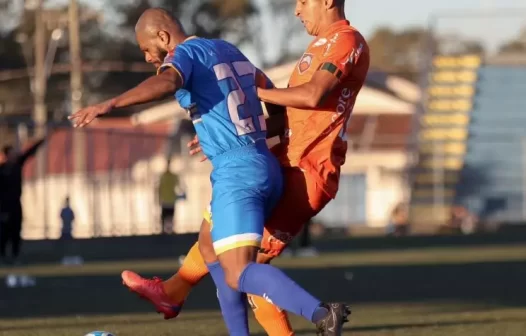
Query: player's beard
x=160 y=56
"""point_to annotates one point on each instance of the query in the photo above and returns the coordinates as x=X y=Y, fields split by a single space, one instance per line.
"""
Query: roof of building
x=111 y=144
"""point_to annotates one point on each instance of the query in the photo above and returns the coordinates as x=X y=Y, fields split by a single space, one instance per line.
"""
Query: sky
x=369 y=14
x=502 y=16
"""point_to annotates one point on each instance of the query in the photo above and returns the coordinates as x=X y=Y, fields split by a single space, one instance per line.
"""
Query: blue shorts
x=246 y=185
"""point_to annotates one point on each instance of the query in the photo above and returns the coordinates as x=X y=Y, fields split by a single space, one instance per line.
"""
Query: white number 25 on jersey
x=237 y=97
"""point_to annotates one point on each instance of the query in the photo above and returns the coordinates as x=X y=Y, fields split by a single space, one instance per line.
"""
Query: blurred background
x=437 y=153
x=436 y=137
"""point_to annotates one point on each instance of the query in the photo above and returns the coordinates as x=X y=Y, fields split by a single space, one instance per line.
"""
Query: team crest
x=305 y=63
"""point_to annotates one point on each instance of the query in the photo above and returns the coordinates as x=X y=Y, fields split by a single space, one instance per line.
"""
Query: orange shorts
x=302 y=199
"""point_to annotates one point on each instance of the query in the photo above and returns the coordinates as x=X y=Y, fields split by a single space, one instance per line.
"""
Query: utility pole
x=40 y=80
x=75 y=56
x=76 y=84
x=39 y=86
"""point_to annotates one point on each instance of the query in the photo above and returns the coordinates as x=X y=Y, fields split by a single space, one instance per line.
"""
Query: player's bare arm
x=276 y=113
x=306 y=96
x=152 y=89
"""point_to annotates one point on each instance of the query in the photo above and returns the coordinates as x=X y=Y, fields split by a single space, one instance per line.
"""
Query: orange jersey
x=315 y=139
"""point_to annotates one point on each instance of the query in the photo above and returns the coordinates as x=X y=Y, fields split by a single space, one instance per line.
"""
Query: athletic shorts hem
x=241 y=240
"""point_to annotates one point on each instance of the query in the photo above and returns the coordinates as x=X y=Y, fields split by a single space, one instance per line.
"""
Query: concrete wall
x=123 y=203
x=386 y=181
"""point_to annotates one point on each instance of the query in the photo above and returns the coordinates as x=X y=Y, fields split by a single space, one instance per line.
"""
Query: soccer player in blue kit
x=216 y=83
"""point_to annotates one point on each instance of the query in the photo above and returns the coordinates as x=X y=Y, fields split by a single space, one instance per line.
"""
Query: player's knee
x=232 y=276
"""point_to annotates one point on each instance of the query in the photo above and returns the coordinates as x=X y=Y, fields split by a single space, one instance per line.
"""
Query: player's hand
x=88 y=114
x=195 y=148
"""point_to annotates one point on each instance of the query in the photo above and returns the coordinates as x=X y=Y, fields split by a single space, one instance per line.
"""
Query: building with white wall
x=116 y=195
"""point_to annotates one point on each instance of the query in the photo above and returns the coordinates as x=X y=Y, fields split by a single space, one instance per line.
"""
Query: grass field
x=466 y=290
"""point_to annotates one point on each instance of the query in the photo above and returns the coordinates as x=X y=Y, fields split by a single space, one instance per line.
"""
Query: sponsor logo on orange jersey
x=305 y=63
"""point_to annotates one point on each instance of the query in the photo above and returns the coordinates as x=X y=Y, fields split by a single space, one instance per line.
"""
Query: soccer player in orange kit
x=319 y=99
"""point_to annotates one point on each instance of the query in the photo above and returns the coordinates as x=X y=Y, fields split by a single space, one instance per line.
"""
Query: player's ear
x=164 y=36
x=332 y=3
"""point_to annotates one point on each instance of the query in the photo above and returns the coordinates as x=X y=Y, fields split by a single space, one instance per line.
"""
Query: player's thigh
x=275 y=187
x=205 y=242
x=238 y=218
x=302 y=199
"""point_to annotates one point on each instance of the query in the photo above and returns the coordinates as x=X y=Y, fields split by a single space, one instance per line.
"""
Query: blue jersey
x=219 y=92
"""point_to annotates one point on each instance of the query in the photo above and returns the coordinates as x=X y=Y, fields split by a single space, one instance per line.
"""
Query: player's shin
x=273 y=319
x=273 y=285
x=268 y=282
x=191 y=272
x=233 y=303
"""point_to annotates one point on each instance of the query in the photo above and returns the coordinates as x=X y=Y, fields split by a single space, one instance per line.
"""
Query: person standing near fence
x=10 y=199
x=67 y=216
x=169 y=185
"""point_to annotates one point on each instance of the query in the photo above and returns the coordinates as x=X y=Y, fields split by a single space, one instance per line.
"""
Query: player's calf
x=232 y=302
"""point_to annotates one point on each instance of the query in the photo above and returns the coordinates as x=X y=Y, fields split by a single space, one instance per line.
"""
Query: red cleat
x=152 y=290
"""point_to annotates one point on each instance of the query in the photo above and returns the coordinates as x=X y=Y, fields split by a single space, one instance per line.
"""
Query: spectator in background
x=462 y=220
x=305 y=248
x=302 y=245
x=67 y=217
x=169 y=185
x=10 y=199
x=399 y=221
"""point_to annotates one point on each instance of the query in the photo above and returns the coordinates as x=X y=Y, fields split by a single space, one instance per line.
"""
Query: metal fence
x=111 y=178
x=116 y=193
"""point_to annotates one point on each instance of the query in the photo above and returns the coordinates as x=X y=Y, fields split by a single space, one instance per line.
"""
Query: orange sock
x=274 y=320
x=191 y=272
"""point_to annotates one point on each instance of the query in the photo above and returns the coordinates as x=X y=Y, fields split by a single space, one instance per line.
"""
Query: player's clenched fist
x=88 y=114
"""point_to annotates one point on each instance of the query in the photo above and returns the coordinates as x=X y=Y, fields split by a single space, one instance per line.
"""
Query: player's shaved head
x=154 y=20
x=158 y=32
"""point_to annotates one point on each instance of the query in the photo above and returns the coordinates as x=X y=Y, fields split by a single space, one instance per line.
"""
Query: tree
x=404 y=52
x=516 y=45
x=205 y=18
x=276 y=46
x=115 y=41
x=398 y=51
